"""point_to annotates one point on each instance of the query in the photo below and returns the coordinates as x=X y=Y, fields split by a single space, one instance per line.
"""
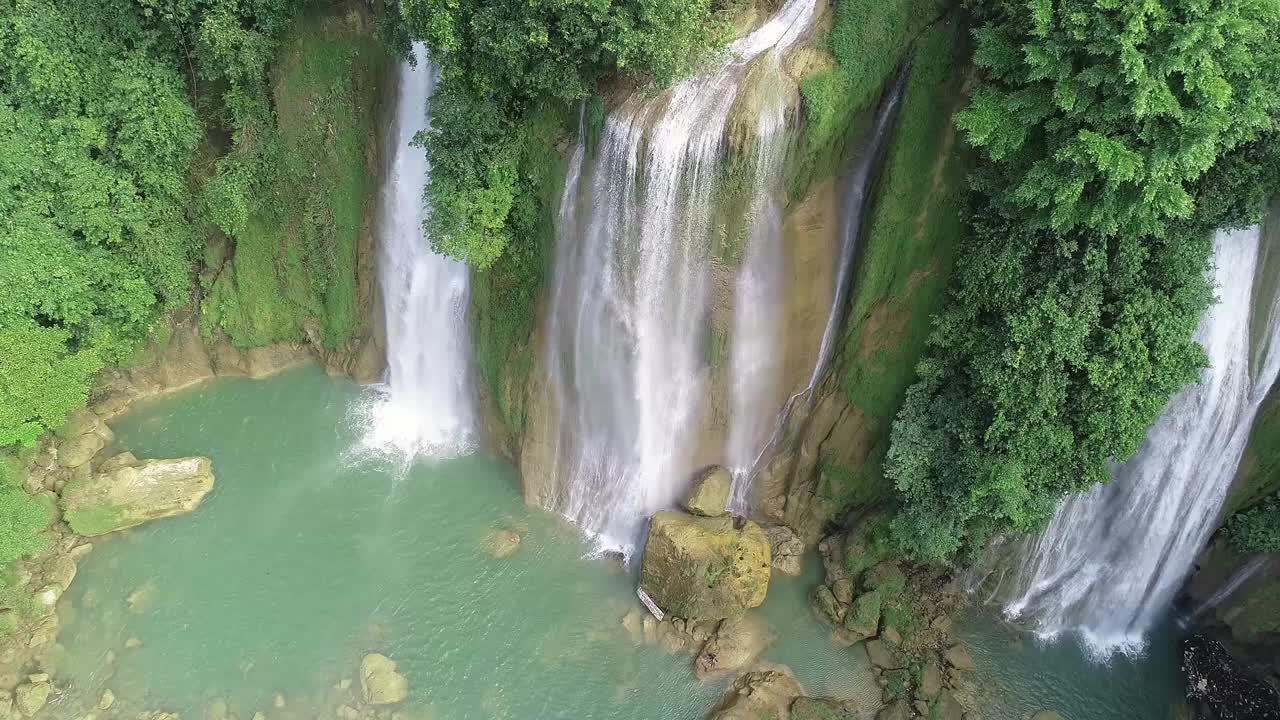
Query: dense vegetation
x=1108 y=133
x=1256 y=530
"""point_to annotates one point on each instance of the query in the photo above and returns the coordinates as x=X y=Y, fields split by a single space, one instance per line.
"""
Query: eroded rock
x=786 y=549
x=129 y=496
x=762 y=694
x=30 y=698
x=380 y=684
x=734 y=647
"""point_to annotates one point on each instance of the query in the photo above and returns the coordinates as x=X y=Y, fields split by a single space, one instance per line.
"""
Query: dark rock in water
x=1223 y=686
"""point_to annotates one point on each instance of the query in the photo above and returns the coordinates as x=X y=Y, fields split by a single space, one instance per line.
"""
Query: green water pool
x=307 y=555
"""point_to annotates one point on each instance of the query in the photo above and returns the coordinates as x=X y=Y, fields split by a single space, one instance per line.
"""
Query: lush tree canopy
x=502 y=60
x=1114 y=137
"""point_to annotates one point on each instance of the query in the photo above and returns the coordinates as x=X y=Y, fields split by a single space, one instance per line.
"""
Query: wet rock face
x=1223 y=686
x=704 y=568
x=130 y=495
x=786 y=549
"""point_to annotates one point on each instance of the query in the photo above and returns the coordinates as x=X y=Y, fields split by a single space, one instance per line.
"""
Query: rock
x=891 y=635
x=931 y=679
x=1048 y=715
x=704 y=568
x=259 y=715
x=808 y=708
x=61 y=571
x=832 y=551
x=633 y=621
x=80 y=449
x=733 y=648
x=132 y=643
x=785 y=549
x=1228 y=688
x=649 y=629
x=896 y=710
x=863 y=619
x=217 y=710
x=886 y=577
x=37 y=678
x=6 y=707
x=958 y=658
x=672 y=640
x=942 y=624
x=48 y=596
x=107 y=700
x=380 y=684
x=31 y=697
x=115 y=462
x=946 y=707
x=346 y=712
x=278 y=700
x=129 y=496
x=825 y=604
x=710 y=493
x=502 y=543
x=80 y=550
x=882 y=656
x=762 y=694
x=843 y=590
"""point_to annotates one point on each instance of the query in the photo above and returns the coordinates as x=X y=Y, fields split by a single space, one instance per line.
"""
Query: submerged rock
x=786 y=549
x=704 y=568
x=710 y=493
x=127 y=496
x=734 y=647
x=1224 y=685
x=503 y=543
x=380 y=684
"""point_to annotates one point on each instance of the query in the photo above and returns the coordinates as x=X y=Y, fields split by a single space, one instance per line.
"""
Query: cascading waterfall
x=628 y=306
x=1111 y=560
x=754 y=434
x=426 y=407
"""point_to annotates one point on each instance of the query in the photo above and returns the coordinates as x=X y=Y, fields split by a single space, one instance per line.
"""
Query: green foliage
x=1082 y=277
x=23 y=518
x=865 y=611
x=1099 y=115
x=500 y=60
x=291 y=195
x=868 y=40
x=1256 y=530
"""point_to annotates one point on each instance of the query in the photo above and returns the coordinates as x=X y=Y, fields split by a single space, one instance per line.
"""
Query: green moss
x=868 y=40
x=294 y=264
x=1258 y=614
x=23 y=520
x=911 y=234
x=95 y=521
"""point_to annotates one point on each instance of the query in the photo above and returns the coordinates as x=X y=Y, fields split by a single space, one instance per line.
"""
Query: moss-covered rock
x=863 y=619
x=705 y=568
x=128 y=496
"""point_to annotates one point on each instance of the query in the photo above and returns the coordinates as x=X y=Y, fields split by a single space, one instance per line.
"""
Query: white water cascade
x=1110 y=562
x=426 y=408
x=629 y=302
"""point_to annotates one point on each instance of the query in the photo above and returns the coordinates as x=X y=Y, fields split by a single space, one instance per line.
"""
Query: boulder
x=710 y=493
x=128 y=496
x=863 y=619
x=843 y=590
x=896 y=710
x=958 y=658
x=886 y=577
x=808 y=708
x=380 y=684
x=107 y=700
x=79 y=449
x=786 y=549
x=765 y=693
x=882 y=655
x=825 y=604
x=703 y=568
x=115 y=462
x=31 y=697
x=946 y=707
x=931 y=679
x=832 y=551
x=734 y=647
x=1048 y=715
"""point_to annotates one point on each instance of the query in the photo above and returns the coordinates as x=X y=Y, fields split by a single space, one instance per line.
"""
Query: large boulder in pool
x=380 y=684
x=705 y=568
x=709 y=495
x=133 y=494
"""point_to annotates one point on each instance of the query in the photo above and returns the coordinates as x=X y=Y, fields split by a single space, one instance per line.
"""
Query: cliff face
x=831 y=450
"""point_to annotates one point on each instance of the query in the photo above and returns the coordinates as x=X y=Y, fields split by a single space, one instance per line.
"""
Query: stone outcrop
x=705 y=568
x=1223 y=686
x=710 y=493
x=786 y=549
x=380 y=684
x=734 y=647
x=133 y=494
x=765 y=693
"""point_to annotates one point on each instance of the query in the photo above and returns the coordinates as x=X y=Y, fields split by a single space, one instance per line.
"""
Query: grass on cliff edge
x=907 y=255
x=294 y=263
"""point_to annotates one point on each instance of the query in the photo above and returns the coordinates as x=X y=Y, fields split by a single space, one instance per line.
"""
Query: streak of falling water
x=426 y=408
x=1111 y=560
x=629 y=300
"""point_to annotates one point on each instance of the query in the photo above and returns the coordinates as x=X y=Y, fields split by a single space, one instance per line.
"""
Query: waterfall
x=628 y=314
x=1112 y=559
x=754 y=434
x=426 y=407
x=1229 y=588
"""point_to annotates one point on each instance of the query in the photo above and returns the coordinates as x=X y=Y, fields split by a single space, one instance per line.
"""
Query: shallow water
x=306 y=556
